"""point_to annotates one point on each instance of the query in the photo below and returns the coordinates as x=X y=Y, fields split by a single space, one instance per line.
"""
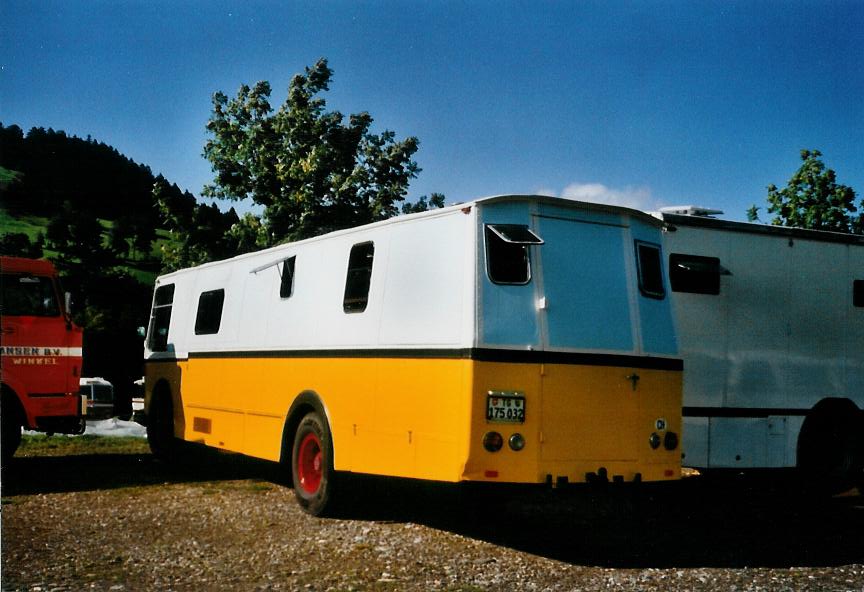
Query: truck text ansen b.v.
x=513 y=339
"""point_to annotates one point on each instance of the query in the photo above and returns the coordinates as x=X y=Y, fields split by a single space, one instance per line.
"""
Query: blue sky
x=641 y=103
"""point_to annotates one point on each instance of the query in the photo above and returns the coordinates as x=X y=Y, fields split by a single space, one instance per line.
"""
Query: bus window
x=163 y=299
x=507 y=258
x=359 y=277
x=650 y=270
x=286 y=286
x=209 y=315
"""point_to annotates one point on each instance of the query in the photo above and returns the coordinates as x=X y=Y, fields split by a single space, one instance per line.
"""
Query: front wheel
x=312 y=466
x=160 y=427
x=10 y=427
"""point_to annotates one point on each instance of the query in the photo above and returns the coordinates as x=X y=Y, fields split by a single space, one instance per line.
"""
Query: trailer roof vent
x=691 y=211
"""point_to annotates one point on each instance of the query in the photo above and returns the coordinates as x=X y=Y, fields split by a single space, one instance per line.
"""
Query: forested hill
x=55 y=168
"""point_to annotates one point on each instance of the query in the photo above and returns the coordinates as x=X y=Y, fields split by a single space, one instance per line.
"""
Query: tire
x=11 y=424
x=312 y=466
x=160 y=427
x=831 y=448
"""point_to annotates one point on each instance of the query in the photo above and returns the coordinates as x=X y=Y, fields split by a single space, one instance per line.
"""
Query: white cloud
x=638 y=198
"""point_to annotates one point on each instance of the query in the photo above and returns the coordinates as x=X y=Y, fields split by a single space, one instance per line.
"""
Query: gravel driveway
x=128 y=522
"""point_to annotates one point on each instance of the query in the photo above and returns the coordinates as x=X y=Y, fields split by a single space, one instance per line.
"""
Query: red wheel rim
x=309 y=470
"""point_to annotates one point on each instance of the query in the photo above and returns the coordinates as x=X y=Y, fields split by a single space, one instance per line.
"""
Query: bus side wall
x=781 y=335
x=238 y=385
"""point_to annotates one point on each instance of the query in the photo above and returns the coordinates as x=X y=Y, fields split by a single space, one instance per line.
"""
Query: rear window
x=29 y=296
x=508 y=259
x=650 y=268
x=209 y=316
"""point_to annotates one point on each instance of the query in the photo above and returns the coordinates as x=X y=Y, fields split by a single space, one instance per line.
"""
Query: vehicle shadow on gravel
x=694 y=523
x=85 y=472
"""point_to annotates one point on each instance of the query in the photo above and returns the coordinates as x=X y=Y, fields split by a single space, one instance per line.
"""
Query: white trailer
x=771 y=328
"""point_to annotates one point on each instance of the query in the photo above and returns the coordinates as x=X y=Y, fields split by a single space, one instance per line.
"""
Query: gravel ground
x=127 y=522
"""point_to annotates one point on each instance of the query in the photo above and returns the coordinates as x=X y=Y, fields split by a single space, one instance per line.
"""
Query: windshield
x=28 y=295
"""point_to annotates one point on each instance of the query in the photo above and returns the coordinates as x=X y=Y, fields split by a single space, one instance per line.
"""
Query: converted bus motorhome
x=771 y=328
x=512 y=339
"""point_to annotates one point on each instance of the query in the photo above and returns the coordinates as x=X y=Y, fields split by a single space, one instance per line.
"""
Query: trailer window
x=286 y=287
x=29 y=296
x=650 y=269
x=359 y=277
x=209 y=315
x=160 y=319
x=508 y=260
x=694 y=274
x=858 y=293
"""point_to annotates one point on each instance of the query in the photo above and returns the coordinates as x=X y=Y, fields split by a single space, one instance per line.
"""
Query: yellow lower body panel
x=426 y=418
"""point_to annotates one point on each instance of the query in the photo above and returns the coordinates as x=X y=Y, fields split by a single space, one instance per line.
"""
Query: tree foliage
x=199 y=232
x=310 y=169
x=813 y=199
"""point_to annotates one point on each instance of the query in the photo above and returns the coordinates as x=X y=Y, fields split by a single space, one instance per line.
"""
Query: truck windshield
x=28 y=295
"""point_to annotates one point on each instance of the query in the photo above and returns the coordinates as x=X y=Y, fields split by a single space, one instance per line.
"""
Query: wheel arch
x=11 y=397
x=305 y=402
x=162 y=388
x=11 y=401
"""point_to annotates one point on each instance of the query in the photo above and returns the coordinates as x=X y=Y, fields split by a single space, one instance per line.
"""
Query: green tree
x=77 y=237
x=312 y=171
x=18 y=244
x=199 y=232
x=813 y=199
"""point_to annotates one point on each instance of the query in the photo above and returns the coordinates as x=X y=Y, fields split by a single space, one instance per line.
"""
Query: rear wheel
x=831 y=447
x=312 y=466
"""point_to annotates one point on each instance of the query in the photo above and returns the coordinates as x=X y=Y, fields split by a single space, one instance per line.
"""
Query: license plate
x=506 y=408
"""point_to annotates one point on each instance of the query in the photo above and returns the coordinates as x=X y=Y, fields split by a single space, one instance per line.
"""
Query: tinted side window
x=650 y=270
x=209 y=315
x=286 y=287
x=359 y=277
x=858 y=293
x=160 y=319
x=694 y=274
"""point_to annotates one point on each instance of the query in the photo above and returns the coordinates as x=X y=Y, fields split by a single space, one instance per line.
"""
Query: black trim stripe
x=477 y=354
x=741 y=412
x=45 y=395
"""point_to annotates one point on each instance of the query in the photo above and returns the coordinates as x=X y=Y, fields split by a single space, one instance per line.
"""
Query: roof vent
x=691 y=211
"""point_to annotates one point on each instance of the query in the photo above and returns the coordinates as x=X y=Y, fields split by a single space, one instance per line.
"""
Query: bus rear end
x=576 y=377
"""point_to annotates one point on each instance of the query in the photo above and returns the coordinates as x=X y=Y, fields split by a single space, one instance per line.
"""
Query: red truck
x=41 y=354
